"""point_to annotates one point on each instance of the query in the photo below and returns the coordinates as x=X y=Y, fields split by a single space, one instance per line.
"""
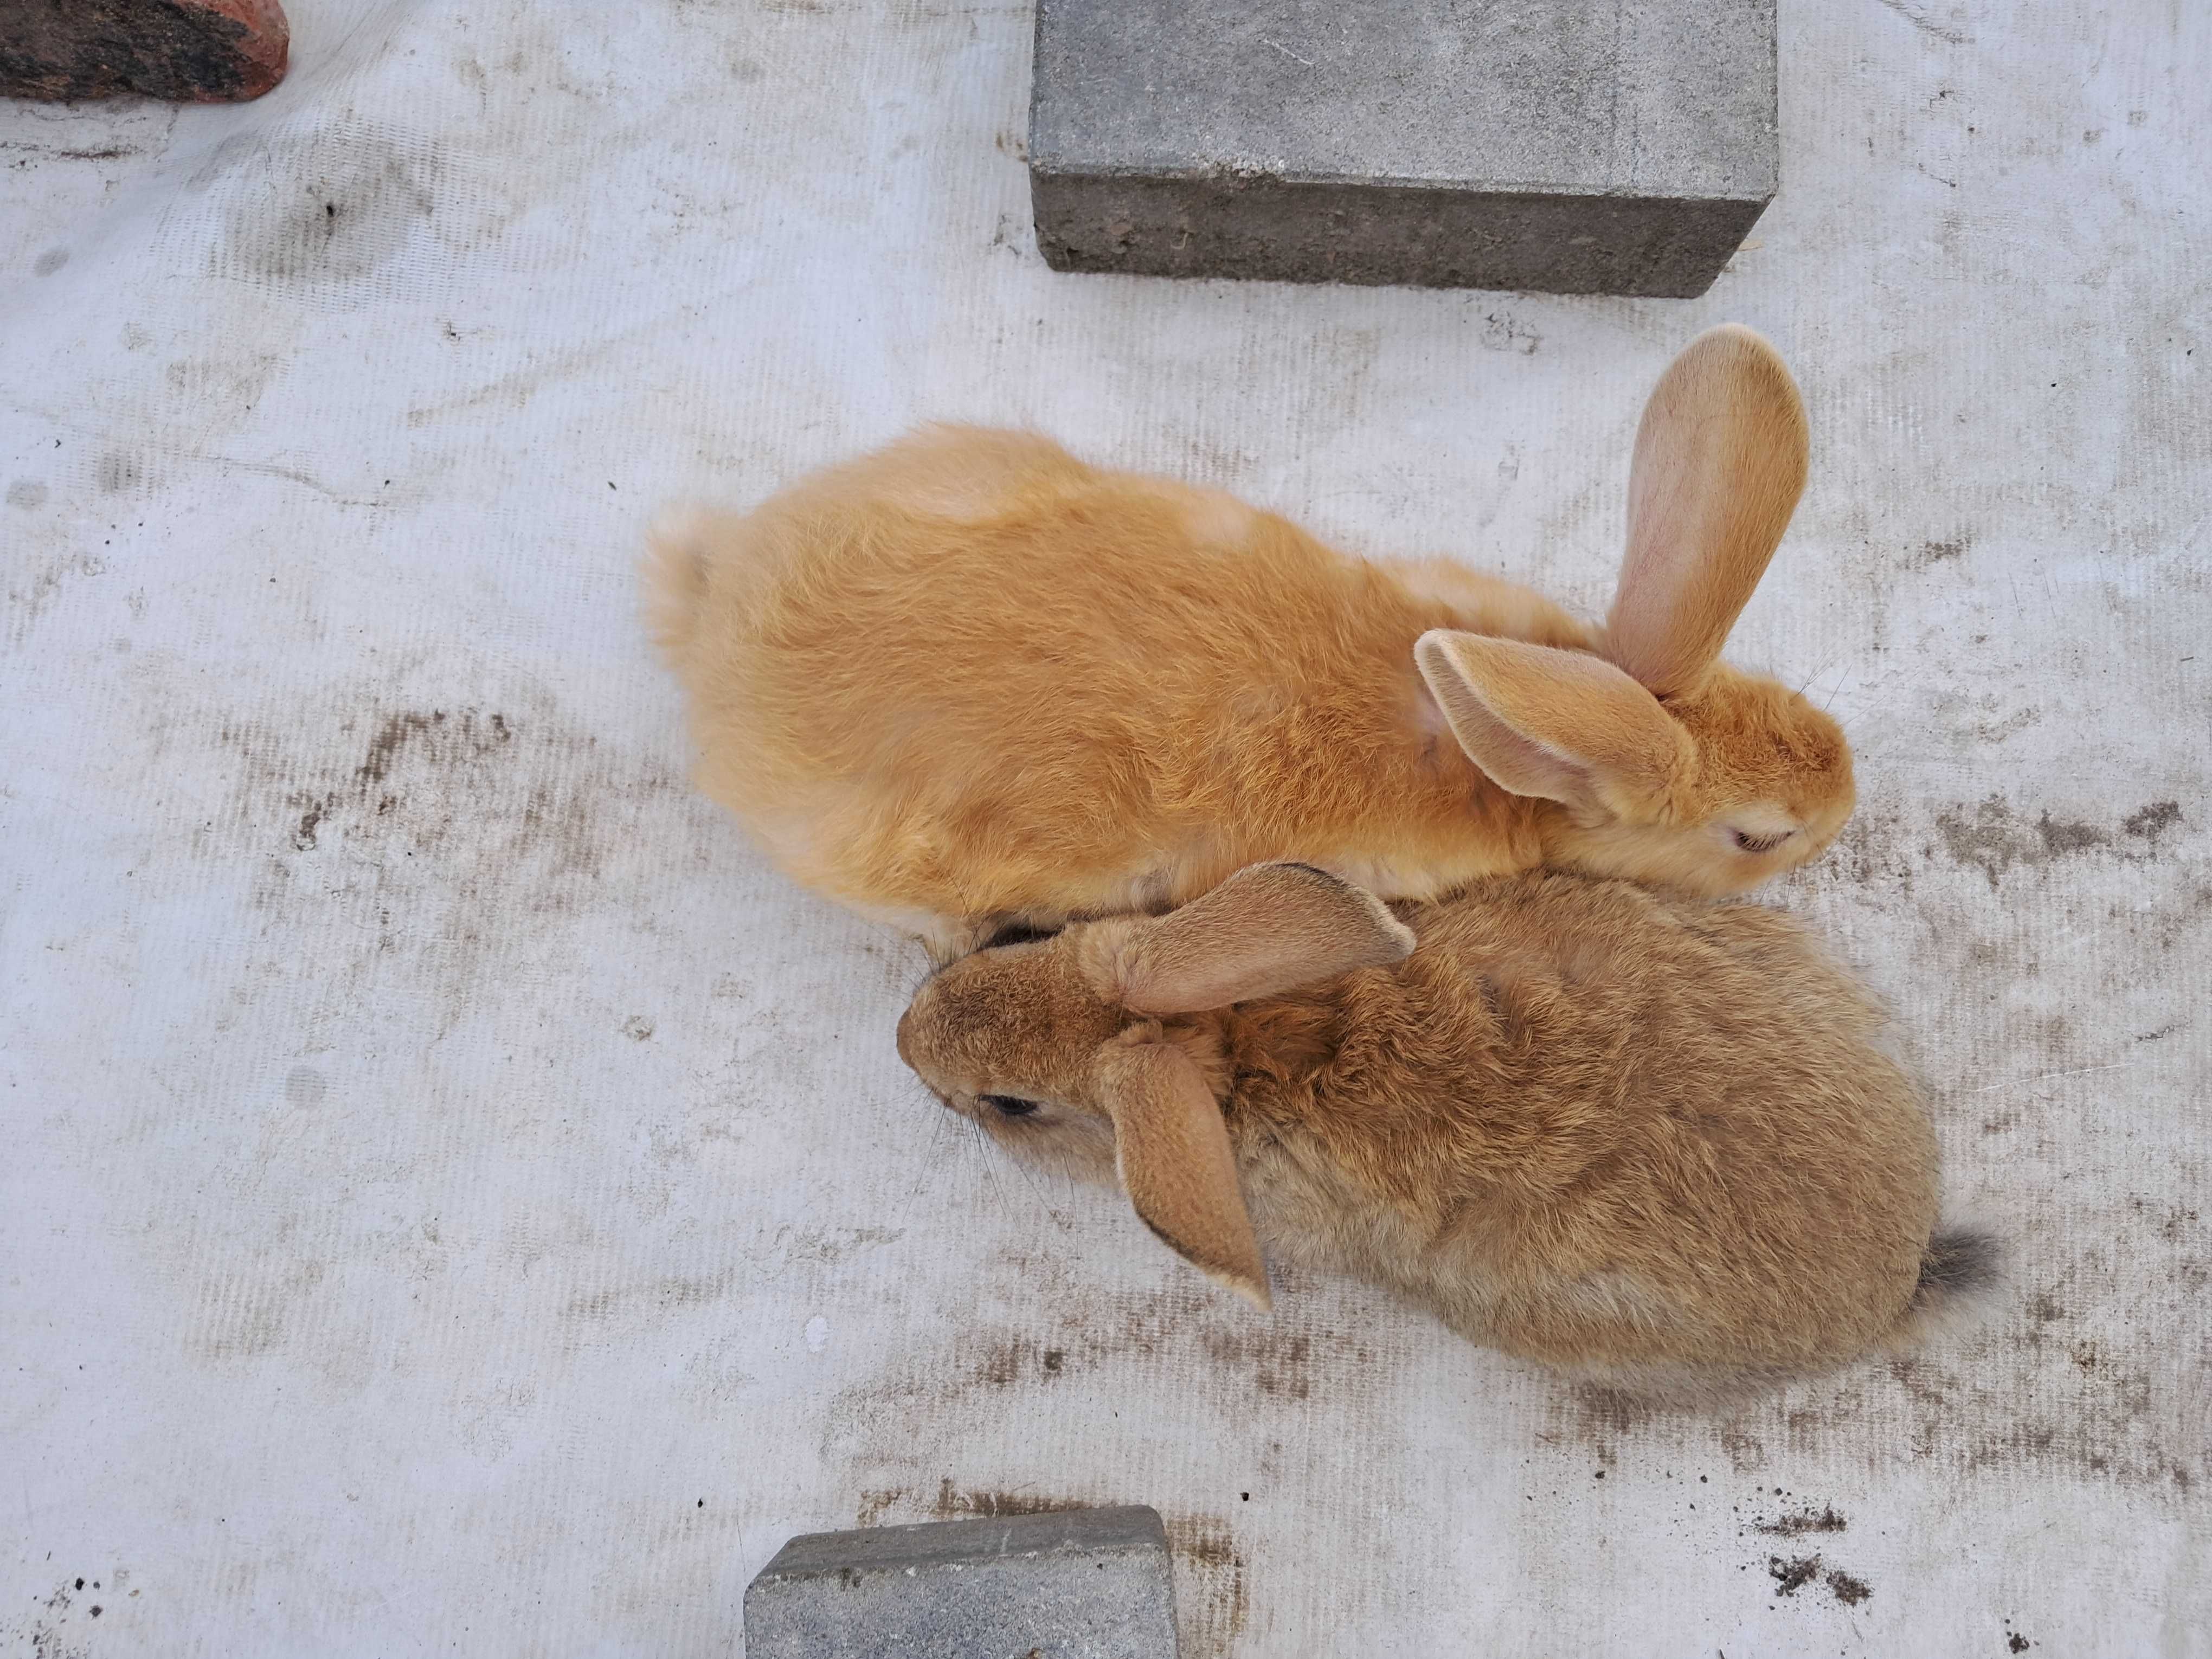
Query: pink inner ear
x=1653 y=630
x=1516 y=764
x=1719 y=464
x=1504 y=703
x=1670 y=518
x=1429 y=716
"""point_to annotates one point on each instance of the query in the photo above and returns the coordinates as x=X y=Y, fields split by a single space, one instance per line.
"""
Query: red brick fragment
x=200 y=51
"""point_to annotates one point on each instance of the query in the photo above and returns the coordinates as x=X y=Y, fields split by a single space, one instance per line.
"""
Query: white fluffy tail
x=674 y=573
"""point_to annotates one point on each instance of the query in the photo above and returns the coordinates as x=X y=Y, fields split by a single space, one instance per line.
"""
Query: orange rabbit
x=969 y=681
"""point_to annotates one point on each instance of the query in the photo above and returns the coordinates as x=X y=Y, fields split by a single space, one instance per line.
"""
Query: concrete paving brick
x=1071 y=1584
x=1470 y=143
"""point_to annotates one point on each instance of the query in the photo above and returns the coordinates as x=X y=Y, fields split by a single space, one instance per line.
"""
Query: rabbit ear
x=1720 y=462
x=1171 y=1150
x=1558 y=725
x=1269 y=927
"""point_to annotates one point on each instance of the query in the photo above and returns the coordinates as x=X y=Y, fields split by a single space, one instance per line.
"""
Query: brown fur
x=970 y=679
x=1174 y=1159
x=1651 y=1139
x=1268 y=929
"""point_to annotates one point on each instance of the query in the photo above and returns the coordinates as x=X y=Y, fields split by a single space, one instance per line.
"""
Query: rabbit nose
x=899 y=1039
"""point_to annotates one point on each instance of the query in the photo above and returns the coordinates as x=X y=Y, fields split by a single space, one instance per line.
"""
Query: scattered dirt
x=1273 y=1359
x=1794 y=1526
x=1595 y=1417
x=1995 y=838
x=1792 y=1575
x=1847 y=1589
x=457 y=833
x=2153 y=821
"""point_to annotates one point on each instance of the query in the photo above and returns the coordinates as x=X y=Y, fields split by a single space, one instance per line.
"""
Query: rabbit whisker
x=933 y=1152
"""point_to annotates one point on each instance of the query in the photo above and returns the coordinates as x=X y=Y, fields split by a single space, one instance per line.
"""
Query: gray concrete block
x=1074 y=1584
x=1537 y=144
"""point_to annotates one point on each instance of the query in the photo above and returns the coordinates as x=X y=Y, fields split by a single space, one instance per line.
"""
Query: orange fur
x=971 y=678
x=1647 y=1139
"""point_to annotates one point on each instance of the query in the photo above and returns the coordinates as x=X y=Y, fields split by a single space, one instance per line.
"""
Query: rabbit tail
x=674 y=576
x=1960 y=1266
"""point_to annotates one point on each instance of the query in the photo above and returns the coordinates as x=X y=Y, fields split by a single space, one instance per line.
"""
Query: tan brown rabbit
x=971 y=680
x=1650 y=1139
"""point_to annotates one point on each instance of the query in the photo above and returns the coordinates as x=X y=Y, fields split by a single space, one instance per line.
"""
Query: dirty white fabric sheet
x=454 y=1197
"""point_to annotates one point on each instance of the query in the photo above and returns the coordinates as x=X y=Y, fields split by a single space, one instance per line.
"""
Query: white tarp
x=454 y=1197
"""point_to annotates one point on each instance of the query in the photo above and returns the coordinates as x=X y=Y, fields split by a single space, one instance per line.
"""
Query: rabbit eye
x=1007 y=1105
x=1747 y=842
